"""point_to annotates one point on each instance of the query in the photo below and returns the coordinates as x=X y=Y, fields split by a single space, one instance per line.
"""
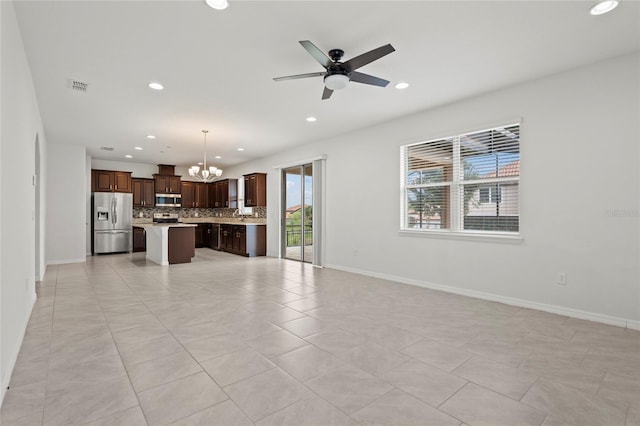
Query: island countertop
x=165 y=225
x=192 y=221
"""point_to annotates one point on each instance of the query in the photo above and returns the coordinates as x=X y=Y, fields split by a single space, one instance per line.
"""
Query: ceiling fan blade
x=326 y=94
x=370 y=56
x=317 y=54
x=297 y=76
x=359 y=77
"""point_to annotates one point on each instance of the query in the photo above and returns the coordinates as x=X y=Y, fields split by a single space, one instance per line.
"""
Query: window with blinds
x=467 y=182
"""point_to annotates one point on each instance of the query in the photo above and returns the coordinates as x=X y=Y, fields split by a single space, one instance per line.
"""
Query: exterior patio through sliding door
x=297 y=212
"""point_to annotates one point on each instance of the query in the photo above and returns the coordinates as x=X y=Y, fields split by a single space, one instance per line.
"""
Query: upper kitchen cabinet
x=225 y=194
x=255 y=190
x=201 y=195
x=188 y=197
x=166 y=184
x=143 y=192
x=110 y=181
x=194 y=194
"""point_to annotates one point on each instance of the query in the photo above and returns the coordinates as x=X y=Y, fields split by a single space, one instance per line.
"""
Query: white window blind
x=463 y=183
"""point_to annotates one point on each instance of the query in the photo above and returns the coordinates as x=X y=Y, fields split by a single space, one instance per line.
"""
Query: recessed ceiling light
x=218 y=157
x=217 y=4
x=402 y=85
x=604 y=7
x=138 y=148
x=128 y=156
x=155 y=85
x=240 y=149
x=311 y=119
x=150 y=137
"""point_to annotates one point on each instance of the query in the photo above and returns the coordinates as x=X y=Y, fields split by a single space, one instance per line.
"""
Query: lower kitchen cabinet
x=139 y=239
x=245 y=240
x=203 y=235
x=226 y=237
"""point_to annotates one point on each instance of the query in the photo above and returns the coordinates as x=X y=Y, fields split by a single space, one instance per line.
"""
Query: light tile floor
x=227 y=340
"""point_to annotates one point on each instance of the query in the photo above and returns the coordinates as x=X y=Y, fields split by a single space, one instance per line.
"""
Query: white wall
x=88 y=218
x=579 y=141
x=66 y=204
x=138 y=170
x=21 y=124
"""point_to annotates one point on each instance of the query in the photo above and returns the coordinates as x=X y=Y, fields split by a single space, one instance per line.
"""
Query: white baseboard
x=64 y=261
x=633 y=325
x=14 y=353
x=560 y=310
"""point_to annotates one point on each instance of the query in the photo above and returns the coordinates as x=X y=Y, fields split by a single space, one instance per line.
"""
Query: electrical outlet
x=562 y=278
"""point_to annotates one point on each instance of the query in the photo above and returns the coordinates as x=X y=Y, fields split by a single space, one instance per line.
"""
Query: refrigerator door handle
x=114 y=217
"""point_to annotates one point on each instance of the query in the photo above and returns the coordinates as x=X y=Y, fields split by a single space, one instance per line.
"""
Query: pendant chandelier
x=206 y=174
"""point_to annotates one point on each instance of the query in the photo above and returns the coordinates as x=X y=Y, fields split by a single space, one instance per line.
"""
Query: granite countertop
x=166 y=225
x=195 y=220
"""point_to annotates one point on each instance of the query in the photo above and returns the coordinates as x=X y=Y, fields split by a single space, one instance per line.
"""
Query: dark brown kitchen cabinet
x=194 y=194
x=201 y=195
x=143 y=192
x=188 y=195
x=203 y=232
x=166 y=184
x=110 y=181
x=255 y=190
x=225 y=194
x=245 y=240
x=139 y=239
x=239 y=239
x=226 y=237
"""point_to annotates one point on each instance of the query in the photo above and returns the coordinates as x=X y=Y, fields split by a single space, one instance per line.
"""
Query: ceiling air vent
x=79 y=86
x=106 y=148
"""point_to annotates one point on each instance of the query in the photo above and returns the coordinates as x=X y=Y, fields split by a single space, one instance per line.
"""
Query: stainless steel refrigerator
x=112 y=217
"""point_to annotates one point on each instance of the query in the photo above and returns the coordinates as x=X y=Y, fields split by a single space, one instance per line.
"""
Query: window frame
x=456 y=229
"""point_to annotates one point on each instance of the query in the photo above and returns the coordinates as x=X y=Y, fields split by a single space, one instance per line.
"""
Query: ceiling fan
x=338 y=74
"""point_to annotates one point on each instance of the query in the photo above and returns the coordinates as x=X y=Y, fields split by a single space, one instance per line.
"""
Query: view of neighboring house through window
x=465 y=182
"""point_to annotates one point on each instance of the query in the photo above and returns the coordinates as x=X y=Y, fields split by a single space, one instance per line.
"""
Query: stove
x=165 y=218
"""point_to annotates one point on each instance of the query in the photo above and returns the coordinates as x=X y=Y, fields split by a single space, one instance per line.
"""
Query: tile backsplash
x=147 y=212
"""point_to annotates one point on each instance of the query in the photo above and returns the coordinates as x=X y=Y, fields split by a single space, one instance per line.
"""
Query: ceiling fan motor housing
x=336 y=54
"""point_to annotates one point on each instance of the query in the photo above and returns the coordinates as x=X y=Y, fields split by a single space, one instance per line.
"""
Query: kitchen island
x=170 y=243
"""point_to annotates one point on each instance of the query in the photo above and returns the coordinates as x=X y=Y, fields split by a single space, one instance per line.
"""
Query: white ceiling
x=217 y=66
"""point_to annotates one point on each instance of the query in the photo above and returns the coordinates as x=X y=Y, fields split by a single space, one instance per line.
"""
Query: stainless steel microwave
x=168 y=200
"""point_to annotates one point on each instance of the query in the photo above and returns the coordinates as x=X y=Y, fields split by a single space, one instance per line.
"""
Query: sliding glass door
x=297 y=184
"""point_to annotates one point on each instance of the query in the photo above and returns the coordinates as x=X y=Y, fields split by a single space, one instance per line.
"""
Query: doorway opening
x=297 y=211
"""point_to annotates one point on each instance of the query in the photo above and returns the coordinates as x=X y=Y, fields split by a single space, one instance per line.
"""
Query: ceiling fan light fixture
x=336 y=81
x=217 y=4
x=603 y=7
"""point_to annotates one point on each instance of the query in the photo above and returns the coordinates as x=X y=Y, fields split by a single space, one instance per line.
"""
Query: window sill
x=469 y=236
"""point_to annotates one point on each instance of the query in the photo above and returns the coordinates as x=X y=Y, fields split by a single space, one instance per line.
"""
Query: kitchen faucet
x=237 y=213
